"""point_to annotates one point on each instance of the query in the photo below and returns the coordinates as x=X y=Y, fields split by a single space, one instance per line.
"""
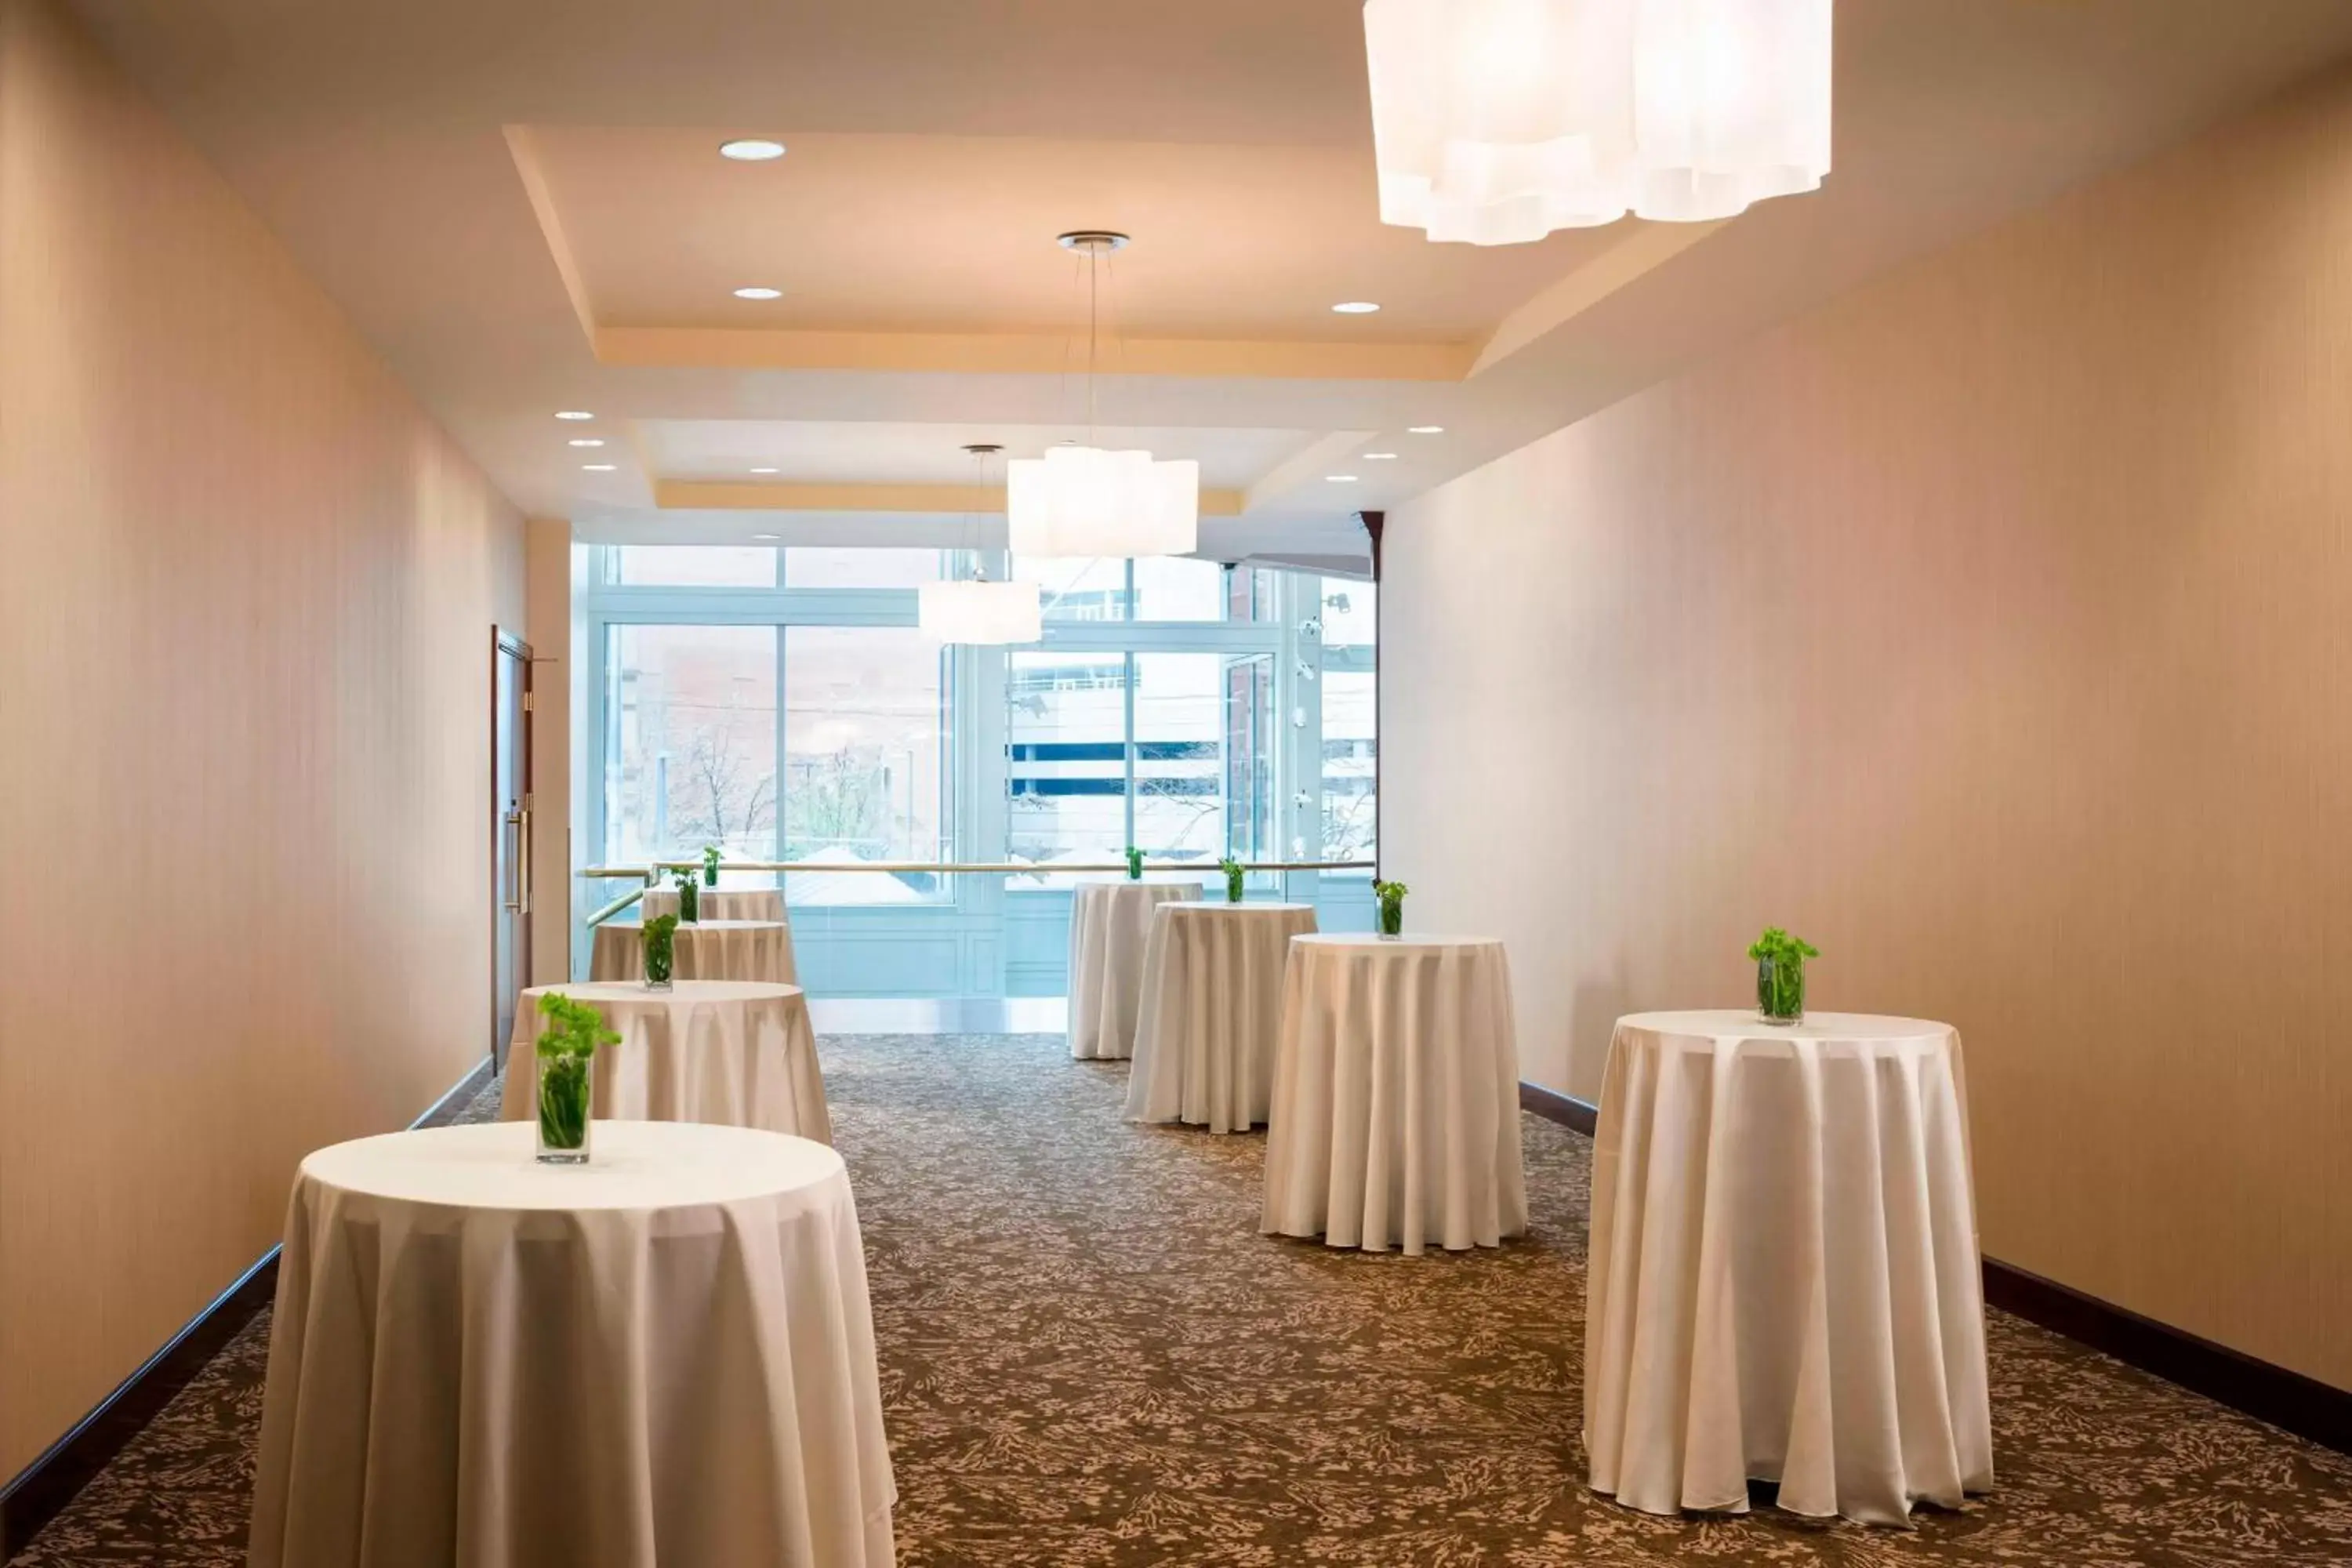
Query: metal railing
x=648 y=875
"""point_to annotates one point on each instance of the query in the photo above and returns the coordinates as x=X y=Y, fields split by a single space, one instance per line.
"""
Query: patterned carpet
x=1089 y=1356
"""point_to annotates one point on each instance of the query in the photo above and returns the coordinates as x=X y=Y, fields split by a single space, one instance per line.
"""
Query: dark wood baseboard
x=51 y=1481
x=2300 y=1405
x=2285 y=1399
x=1577 y=1115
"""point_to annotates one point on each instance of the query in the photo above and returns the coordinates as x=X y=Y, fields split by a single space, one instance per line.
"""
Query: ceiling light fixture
x=1355 y=308
x=584 y=441
x=763 y=470
x=973 y=609
x=765 y=536
x=758 y=293
x=1379 y=457
x=598 y=468
x=573 y=414
x=751 y=149
x=1496 y=121
x=1425 y=429
x=1083 y=500
x=1339 y=479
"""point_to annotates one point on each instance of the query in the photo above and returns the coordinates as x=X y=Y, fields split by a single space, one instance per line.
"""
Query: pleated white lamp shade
x=1497 y=121
x=1086 y=501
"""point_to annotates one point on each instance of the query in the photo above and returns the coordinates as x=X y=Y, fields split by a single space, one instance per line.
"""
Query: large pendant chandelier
x=1087 y=501
x=973 y=609
x=1496 y=121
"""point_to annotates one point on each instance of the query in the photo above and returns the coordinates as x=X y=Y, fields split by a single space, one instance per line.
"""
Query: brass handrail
x=984 y=868
x=648 y=875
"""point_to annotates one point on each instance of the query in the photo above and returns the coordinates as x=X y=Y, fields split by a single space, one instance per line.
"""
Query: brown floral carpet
x=1089 y=1356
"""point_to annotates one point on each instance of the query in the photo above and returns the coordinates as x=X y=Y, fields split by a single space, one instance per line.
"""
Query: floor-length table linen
x=706 y=950
x=664 y=1356
x=1396 y=1109
x=1784 y=1277
x=1111 y=923
x=719 y=903
x=740 y=1053
x=1211 y=1013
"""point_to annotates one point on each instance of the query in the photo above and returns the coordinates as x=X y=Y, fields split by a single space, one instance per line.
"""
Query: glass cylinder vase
x=690 y=901
x=1392 y=919
x=565 y=1090
x=1781 y=990
x=661 y=952
x=1233 y=887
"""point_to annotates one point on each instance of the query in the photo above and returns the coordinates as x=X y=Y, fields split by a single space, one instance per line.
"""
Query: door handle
x=515 y=895
x=523 y=864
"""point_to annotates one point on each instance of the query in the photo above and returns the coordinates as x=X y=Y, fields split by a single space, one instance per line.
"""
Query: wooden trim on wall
x=2302 y=1406
x=2287 y=1400
x=43 y=1488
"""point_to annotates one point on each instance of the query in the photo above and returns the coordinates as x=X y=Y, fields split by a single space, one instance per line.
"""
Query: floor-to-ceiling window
x=782 y=704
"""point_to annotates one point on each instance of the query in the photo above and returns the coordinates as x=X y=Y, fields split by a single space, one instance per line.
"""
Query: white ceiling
x=521 y=205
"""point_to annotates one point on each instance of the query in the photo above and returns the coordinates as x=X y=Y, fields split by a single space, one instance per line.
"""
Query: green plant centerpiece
x=1780 y=974
x=1234 y=876
x=1134 y=863
x=565 y=1050
x=661 y=951
x=710 y=865
x=1391 y=898
x=689 y=898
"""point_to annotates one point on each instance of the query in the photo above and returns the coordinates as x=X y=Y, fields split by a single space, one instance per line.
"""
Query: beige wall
x=245 y=598
x=554 y=610
x=1993 y=629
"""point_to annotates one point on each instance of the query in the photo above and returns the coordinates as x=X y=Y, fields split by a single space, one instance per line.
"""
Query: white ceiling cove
x=522 y=206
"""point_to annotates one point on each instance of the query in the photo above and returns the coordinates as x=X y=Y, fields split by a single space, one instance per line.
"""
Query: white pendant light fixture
x=1087 y=501
x=1496 y=121
x=973 y=609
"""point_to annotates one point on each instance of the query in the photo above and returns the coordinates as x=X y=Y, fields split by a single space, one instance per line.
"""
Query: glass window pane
x=1350 y=753
x=1075 y=589
x=1203 y=755
x=690 y=742
x=695 y=566
x=829 y=567
x=865 y=737
x=1065 y=762
x=1347 y=613
x=1174 y=588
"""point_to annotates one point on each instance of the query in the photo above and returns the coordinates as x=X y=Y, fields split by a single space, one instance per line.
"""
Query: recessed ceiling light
x=767 y=536
x=751 y=149
x=759 y=293
x=1340 y=479
x=584 y=441
x=1379 y=457
x=763 y=470
x=1425 y=429
x=1355 y=307
x=573 y=414
x=598 y=468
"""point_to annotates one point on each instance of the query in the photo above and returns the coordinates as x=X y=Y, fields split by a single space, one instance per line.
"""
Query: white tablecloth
x=736 y=1052
x=1211 y=1013
x=719 y=904
x=666 y=1354
x=1109 y=923
x=708 y=950
x=1396 y=1095
x=1784 y=1275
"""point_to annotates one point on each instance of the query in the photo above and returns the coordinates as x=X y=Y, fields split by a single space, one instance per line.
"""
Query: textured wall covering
x=1992 y=627
x=246 y=598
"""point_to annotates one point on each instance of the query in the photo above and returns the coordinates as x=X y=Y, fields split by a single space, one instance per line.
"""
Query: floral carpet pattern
x=1090 y=1357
